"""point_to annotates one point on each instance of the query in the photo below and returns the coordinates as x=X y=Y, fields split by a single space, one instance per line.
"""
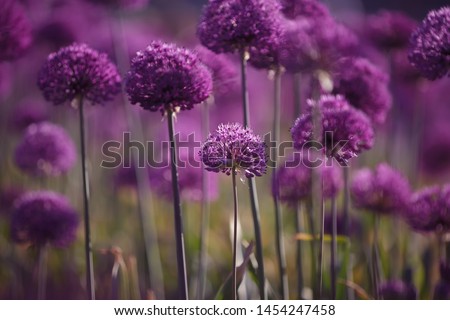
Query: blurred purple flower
x=233 y=25
x=430 y=45
x=78 y=70
x=8 y=196
x=383 y=190
x=56 y=33
x=164 y=76
x=232 y=146
x=355 y=225
x=397 y=290
x=346 y=132
x=435 y=148
x=311 y=9
x=223 y=71
x=43 y=217
x=429 y=209
x=15 y=30
x=390 y=30
x=442 y=291
x=365 y=87
x=27 y=113
x=45 y=149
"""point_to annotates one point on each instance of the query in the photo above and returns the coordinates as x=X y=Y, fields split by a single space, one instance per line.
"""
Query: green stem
x=299 y=263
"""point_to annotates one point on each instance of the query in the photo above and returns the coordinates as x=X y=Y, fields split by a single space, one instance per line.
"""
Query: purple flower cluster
x=390 y=30
x=79 y=71
x=429 y=209
x=166 y=77
x=15 y=30
x=44 y=217
x=233 y=25
x=233 y=147
x=311 y=9
x=346 y=132
x=430 y=45
x=365 y=87
x=397 y=290
x=383 y=190
x=45 y=149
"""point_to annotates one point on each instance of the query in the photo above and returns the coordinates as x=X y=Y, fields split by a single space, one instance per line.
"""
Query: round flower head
x=311 y=9
x=165 y=77
x=223 y=71
x=79 y=71
x=346 y=132
x=397 y=290
x=389 y=30
x=232 y=146
x=430 y=45
x=383 y=190
x=27 y=113
x=232 y=25
x=429 y=209
x=15 y=30
x=365 y=87
x=44 y=217
x=45 y=149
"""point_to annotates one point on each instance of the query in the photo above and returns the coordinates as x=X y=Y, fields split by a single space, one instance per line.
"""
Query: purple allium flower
x=43 y=217
x=45 y=149
x=78 y=70
x=164 y=76
x=223 y=71
x=383 y=190
x=397 y=290
x=294 y=180
x=430 y=45
x=232 y=146
x=389 y=30
x=346 y=132
x=311 y=9
x=364 y=86
x=27 y=113
x=354 y=224
x=309 y=45
x=15 y=30
x=429 y=209
x=232 y=25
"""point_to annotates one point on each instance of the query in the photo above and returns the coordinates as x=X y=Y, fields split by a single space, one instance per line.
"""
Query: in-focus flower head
x=389 y=30
x=44 y=217
x=365 y=87
x=383 y=190
x=223 y=71
x=429 y=209
x=430 y=45
x=397 y=290
x=15 y=30
x=311 y=9
x=346 y=132
x=79 y=71
x=166 y=77
x=233 y=25
x=232 y=146
x=45 y=149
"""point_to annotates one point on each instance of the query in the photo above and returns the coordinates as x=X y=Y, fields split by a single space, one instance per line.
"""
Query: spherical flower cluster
x=44 y=217
x=311 y=9
x=79 y=71
x=165 y=77
x=45 y=149
x=429 y=209
x=430 y=45
x=27 y=113
x=15 y=30
x=346 y=132
x=383 y=190
x=365 y=86
x=223 y=71
x=397 y=290
x=390 y=30
x=232 y=25
x=233 y=147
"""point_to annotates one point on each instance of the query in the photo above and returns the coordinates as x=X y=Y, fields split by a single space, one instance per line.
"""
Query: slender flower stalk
x=375 y=258
x=346 y=212
x=87 y=223
x=42 y=271
x=333 y=248
x=298 y=260
x=251 y=184
x=235 y=220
